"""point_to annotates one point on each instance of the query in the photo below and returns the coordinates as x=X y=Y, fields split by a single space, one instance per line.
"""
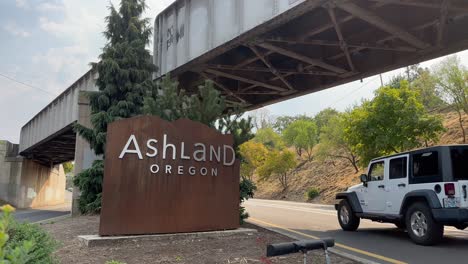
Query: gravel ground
x=239 y=248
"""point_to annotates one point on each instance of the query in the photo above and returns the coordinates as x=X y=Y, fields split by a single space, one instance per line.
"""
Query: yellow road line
x=370 y=254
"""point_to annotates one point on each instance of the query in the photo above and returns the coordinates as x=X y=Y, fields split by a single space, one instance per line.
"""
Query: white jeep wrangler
x=420 y=190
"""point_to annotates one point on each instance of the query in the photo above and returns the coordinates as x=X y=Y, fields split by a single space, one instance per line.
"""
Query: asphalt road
x=44 y=213
x=382 y=243
x=41 y=214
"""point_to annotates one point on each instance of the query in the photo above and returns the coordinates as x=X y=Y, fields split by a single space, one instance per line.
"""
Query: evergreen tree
x=124 y=74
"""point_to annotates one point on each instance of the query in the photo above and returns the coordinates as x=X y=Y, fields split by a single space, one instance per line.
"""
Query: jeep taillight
x=449 y=189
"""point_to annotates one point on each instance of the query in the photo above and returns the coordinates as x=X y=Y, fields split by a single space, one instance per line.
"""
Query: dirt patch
x=239 y=248
x=329 y=177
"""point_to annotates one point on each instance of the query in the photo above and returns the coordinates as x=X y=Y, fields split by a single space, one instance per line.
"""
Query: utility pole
x=381 y=81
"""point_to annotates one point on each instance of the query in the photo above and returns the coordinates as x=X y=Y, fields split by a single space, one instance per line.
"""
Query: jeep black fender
x=352 y=199
x=429 y=196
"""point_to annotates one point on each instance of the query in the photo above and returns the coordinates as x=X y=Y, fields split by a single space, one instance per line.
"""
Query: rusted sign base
x=151 y=190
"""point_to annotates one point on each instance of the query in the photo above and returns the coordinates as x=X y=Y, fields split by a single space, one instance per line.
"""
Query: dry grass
x=332 y=177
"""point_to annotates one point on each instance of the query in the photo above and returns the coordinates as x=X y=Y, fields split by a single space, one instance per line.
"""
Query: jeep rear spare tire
x=346 y=217
x=421 y=226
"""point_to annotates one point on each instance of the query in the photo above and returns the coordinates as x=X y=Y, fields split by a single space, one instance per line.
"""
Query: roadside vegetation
x=22 y=243
x=404 y=114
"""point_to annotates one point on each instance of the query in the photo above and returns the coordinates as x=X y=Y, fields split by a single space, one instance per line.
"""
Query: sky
x=46 y=45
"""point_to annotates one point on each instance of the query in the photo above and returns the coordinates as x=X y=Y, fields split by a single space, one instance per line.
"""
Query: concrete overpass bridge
x=48 y=138
x=30 y=173
x=290 y=49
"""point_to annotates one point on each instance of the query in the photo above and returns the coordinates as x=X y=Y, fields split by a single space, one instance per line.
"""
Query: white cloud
x=12 y=28
x=23 y=4
x=46 y=7
x=81 y=27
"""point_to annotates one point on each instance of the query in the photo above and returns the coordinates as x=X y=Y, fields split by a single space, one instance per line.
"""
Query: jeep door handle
x=381 y=186
x=401 y=185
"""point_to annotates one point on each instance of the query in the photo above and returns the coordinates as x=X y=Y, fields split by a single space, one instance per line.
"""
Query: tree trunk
x=299 y=151
x=460 y=120
x=354 y=162
x=284 y=181
x=309 y=154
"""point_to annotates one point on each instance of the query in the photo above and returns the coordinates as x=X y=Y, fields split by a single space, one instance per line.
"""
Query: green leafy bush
x=23 y=243
x=43 y=244
x=312 y=192
x=89 y=181
x=247 y=189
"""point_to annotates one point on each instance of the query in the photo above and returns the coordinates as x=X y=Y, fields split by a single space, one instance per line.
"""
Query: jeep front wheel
x=421 y=226
x=346 y=217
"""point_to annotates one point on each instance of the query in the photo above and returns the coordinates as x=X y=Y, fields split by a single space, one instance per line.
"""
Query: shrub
x=247 y=189
x=115 y=262
x=43 y=244
x=89 y=182
x=312 y=192
x=8 y=254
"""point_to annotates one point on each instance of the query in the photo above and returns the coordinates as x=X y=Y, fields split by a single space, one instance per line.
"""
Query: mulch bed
x=239 y=248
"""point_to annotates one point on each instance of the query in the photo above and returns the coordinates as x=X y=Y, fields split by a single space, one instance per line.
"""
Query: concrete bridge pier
x=84 y=155
x=25 y=183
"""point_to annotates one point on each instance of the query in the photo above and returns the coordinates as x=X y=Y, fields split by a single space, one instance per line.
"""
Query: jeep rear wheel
x=422 y=228
x=346 y=217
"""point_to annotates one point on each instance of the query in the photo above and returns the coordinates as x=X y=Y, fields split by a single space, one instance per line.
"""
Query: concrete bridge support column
x=25 y=183
x=84 y=155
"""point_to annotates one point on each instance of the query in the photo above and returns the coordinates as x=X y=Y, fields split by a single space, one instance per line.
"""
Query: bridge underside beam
x=55 y=149
x=333 y=43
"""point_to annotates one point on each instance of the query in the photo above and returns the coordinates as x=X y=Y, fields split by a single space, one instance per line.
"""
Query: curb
x=331 y=250
x=53 y=219
x=96 y=240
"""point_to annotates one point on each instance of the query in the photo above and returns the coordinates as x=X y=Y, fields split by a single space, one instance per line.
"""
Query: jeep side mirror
x=363 y=178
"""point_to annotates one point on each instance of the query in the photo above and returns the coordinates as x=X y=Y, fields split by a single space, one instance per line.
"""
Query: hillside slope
x=332 y=177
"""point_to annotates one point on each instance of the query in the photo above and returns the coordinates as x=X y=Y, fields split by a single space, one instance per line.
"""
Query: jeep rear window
x=459 y=157
x=426 y=164
x=398 y=168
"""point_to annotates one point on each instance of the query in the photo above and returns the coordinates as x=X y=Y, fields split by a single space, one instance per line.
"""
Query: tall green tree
x=253 y=156
x=269 y=138
x=302 y=134
x=426 y=85
x=335 y=143
x=323 y=117
x=124 y=74
x=394 y=121
x=282 y=122
x=279 y=164
x=167 y=101
x=452 y=80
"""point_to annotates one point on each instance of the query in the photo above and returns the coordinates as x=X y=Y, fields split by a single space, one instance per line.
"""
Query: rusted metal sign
x=168 y=177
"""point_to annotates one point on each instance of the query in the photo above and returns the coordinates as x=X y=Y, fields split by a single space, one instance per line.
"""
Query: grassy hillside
x=332 y=177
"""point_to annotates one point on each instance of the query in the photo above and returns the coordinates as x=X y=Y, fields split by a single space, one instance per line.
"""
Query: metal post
x=327 y=257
